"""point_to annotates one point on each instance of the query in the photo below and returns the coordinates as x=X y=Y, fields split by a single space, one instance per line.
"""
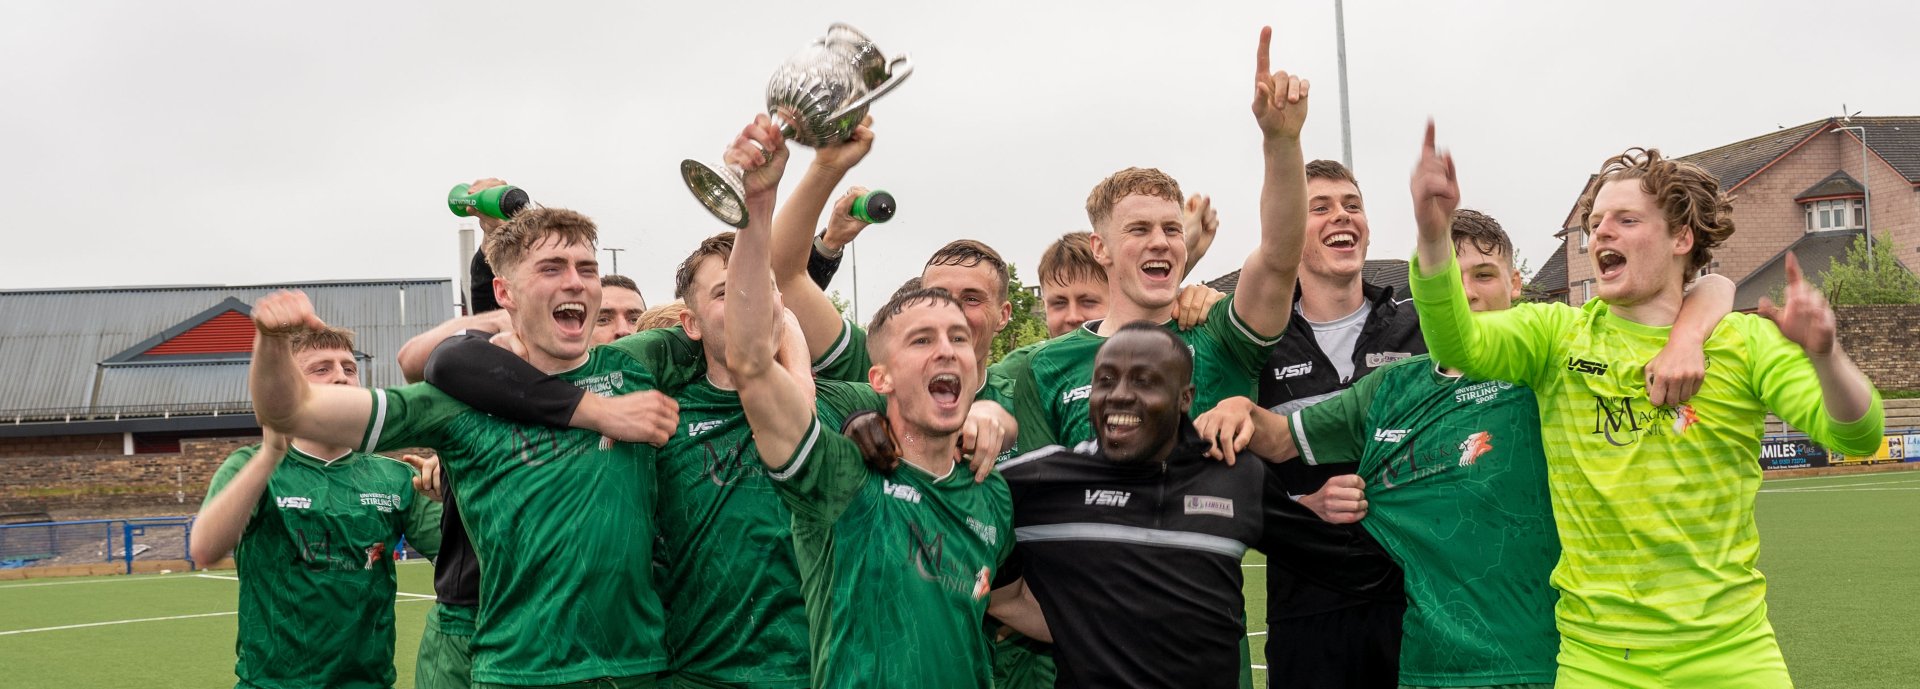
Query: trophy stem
x=720 y=189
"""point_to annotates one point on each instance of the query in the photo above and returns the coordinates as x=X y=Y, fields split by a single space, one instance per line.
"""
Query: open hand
x=1805 y=318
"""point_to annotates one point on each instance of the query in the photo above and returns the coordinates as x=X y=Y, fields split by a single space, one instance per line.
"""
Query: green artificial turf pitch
x=1840 y=555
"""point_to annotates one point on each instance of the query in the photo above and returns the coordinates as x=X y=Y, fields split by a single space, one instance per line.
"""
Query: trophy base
x=719 y=189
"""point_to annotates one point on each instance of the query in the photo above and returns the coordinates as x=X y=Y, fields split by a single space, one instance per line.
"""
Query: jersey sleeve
x=670 y=357
x=228 y=469
x=409 y=416
x=1334 y=430
x=422 y=520
x=834 y=401
x=1783 y=377
x=491 y=379
x=1246 y=349
x=847 y=359
x=822 y=477
x=1030 y=410
x=1515 y=345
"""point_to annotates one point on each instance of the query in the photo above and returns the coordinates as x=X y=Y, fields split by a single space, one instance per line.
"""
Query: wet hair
x=1471 y=227
x=901 y=301
x=968 y=253
x=718 y=245
x=506 y=247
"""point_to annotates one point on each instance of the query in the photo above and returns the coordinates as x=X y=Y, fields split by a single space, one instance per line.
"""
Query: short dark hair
x=1179 y=346
x=968 y=253
x=1482 y=232
x=901 y=301
x=620 y=281
x=912 y=283
x=718 y=245
x=1331 y=169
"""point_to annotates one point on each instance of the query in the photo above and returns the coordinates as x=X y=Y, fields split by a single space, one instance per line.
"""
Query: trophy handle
x=898 y=69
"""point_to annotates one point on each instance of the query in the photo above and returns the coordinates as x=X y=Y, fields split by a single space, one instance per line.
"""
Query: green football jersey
x=1457 y=493
x=894 y=569
x=563 y=526
x=847 y=358
x=1050 y=398
x=730 y=584
x=1654 y=504
x=316 y=568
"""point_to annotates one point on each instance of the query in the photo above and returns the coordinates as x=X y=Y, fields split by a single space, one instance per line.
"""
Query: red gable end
x=227 y=333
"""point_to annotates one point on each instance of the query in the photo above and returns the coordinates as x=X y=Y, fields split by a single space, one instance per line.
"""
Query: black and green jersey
x=1457 y=493
x=731 y=585
x=1050 y=397
x=894 y=569
x=563 y=525
x=316 y=568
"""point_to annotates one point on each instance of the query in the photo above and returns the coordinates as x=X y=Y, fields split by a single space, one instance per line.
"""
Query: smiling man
x=563 y=521
x=1130 y=548
x=893 y=566
x=1654 y=504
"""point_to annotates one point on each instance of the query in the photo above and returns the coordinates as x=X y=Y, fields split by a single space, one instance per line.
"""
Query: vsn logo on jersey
x=1294 y=371
x=1592 y=368
x=1078 y=393
x=694 y=429
x=294 y=503
x=900 y=491
x=1108 y=498
x=1389 y=435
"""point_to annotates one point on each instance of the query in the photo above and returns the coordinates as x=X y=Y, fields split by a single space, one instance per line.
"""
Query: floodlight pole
x=1346 y=118
x=616 y=259
x=1866 y=181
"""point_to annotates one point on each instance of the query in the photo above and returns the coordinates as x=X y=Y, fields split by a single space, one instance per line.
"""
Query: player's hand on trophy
x=1195 y=301
x=1436 y=189
x=1200 y=223
x=488 y=223
x=430 y=482
x=873 y=434
x=1227 y=428
x=1343 y=500
x=761 y=154
x=1805 y=318
x=284 y=313
x=982 y=436
x=842 y=226
x=1279 y=98
x=841 y=157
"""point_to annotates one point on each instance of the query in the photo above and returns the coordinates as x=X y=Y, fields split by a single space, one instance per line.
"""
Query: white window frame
x=1851 y=211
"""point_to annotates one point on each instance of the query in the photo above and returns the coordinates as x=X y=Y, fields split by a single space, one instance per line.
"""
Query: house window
x=1836 y=214
x=1586 y=291
x=1582 y=232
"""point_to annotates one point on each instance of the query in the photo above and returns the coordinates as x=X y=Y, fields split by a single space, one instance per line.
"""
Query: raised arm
x=1849 y=417
x=1675 y=374
x=283 y=400
x=1267 y=277
x=792 y=238
x=777 y=405
x=232 y=497
x=1513 y=345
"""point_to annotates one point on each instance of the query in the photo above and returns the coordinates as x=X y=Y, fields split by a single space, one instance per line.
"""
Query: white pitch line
x=103 y=624
x=1259 y=667
x=112 y=579
x=1254 y=566
x=1854 y=485
x=216 y=576
x=1256 y=634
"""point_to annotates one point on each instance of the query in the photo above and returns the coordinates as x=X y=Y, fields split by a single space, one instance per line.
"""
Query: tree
x=839 y=302
x=1875 y=277
x=1025 y=327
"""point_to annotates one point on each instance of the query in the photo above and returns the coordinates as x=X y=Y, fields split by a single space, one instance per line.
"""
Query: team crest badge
x=1474 y=446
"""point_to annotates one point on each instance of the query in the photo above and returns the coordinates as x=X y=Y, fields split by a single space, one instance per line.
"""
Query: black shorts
x=1355 y=647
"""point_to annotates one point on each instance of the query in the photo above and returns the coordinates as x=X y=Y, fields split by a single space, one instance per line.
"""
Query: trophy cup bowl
x=818 y=96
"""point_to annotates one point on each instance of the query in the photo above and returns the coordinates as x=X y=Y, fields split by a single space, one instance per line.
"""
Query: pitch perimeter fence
x=96 y=541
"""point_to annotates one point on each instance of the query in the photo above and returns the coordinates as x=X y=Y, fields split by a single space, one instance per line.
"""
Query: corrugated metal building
x=168 y=361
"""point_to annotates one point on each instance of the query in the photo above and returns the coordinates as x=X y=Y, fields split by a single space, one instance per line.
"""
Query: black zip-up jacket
x=1298 y=374
x=1137 y=565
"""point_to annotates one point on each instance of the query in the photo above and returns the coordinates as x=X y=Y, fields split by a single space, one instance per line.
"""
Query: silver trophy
x=817 y=97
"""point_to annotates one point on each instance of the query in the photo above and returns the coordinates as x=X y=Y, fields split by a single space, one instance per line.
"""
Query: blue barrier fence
x=94 y=541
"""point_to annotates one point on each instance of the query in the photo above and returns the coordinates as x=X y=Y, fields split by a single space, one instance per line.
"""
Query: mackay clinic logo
x=1475 y=445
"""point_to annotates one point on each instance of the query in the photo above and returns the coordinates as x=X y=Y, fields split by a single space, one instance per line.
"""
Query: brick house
x=1802 y=189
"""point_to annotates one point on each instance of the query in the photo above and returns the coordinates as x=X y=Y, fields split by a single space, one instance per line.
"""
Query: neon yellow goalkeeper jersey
x=1654 y=505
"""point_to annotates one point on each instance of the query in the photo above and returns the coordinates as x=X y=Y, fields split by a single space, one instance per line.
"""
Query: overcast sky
x=248 y=142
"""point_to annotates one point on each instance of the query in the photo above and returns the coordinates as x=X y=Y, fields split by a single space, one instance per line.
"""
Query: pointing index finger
x=1266 y=37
